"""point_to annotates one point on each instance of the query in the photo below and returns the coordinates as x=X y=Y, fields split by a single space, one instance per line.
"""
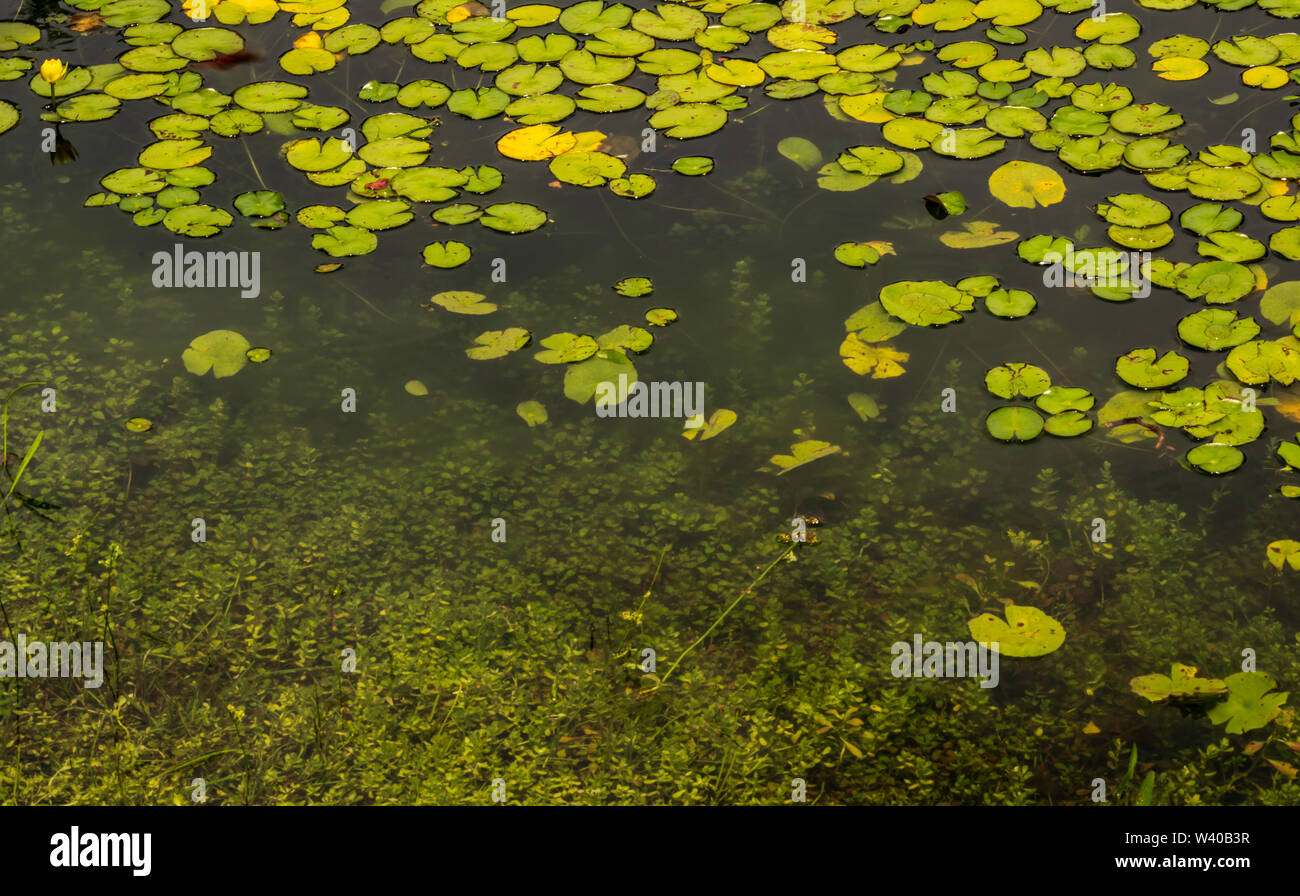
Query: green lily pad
x=1017 y=380
x=196 y=220
x=205 y=44
x=449 y=254
x=383 y=91
x=479 y=103
x=1010 y=303
x=693 y=166
x=313 y=155
x=925 y=303
x=638 y=186
x=856 y=255
x=1133 y=210
x=1141 y=368
x=802 y=453
x=259 y=203
x=1281 y=304
x=1286 y=242
x=270 y=96
x=320 y=217
x=461 y=213
x=1218 y=282
x=513 y=217
x=628 y=338
x=15 y=34
x=87 y=107
x=634 y=287
x=1215 y=458
x=221 y=351
x=380 y=214
x=1067 y=424
x=688 y=120
x=429 y=94
x=1181 y=683
x=1255 y=363
x=343 y=241
x=167 y=154
x=498 y=344
x=582 y=379
x=567 y=348
x=1025 y=632
x=462 y=302
x=1059 y=399
x=1215 y=329
x=587 y=169
x=1231 y=247
x=660 y=317
x=1249 y=704
x=394 y=152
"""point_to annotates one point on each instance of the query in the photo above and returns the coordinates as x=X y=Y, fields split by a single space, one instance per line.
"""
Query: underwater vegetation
x=519 y=589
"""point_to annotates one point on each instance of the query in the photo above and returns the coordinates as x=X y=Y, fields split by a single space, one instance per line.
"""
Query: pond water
x=363 y=569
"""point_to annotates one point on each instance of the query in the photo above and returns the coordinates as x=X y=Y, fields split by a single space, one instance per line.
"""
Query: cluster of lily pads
x=1066 y=406
x=699 y=63
x=1241 y=702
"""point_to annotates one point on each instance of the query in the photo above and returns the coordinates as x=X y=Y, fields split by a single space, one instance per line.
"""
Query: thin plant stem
x=743 y=594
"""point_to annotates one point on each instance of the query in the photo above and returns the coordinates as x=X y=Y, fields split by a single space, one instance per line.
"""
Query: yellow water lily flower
x=53 y=70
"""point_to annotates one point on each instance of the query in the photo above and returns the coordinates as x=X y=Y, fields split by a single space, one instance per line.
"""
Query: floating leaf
x=498 y=343
x=801 y=453
x=343 y=241
x=856 y=255
x=1026 y=632
x=1180 y=684
x=582 y=379
x=882 y=362
x=1141 y=368
x=1281 y=304
x=448 y=254
x=462 y=302
x=1249 y=705
x=1017 y=380
x=1284 y=553
x=693 y=166
x=512 y=217
x=567 y=348
x=1026 y=184
x=1014 y=424
x=977 y=235
x=634 y=287
x=925 y=303
x=224 y=352
x=1215 y=329
x=697 y=428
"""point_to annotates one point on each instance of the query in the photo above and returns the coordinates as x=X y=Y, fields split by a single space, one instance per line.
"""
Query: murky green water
x=412 y=601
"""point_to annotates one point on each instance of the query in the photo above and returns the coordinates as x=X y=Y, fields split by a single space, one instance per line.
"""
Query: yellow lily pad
x=1026 y=632
x=1026 y=185
x=881 y=361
